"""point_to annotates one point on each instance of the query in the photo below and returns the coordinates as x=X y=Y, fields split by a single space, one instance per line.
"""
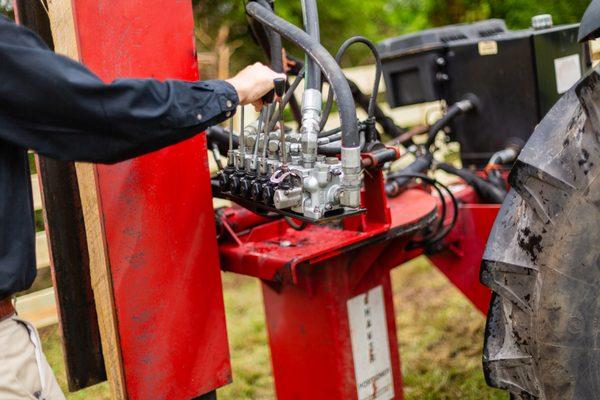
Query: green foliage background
x=381 y=19
x=375 y=19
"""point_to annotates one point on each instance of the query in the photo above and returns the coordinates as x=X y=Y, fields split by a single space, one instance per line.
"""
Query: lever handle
x=279 y=91
x=279 y=87
x=269 y=98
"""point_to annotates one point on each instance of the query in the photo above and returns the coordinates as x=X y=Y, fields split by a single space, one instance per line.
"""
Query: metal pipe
x=242 y=141
x=257 y=140
x=266 y=139
x=230 y=157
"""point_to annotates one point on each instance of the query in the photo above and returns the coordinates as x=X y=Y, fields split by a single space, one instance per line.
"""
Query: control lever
x=242 y=141
x=280 y=92
x=230 y=153
x=269 y=98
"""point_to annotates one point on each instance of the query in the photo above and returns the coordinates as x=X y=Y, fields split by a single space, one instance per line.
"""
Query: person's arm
x=58 y=108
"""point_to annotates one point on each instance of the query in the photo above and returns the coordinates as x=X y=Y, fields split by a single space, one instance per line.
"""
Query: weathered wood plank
x=41 y=250
x=62 y=20
x=37 y=196
x=39 y=308
x=64 y=223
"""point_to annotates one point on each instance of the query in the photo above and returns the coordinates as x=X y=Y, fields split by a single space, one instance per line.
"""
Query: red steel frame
x=309 y=277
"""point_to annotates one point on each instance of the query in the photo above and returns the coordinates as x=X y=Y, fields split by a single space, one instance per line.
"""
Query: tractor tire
x=543 y=260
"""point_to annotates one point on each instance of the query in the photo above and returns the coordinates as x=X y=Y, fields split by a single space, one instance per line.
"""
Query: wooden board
x=67 y=250
x=65 y=42
x=39 y=308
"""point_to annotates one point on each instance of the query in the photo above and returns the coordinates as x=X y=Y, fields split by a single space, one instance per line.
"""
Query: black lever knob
x=269 y=98
x=279 y=87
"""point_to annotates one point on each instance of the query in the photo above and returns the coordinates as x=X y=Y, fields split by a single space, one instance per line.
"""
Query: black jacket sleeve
x=58 y=108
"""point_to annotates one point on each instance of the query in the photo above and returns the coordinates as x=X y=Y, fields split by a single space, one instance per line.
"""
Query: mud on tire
x=543 y=260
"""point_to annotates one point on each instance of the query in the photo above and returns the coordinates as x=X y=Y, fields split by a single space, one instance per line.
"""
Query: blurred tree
x=6 y=8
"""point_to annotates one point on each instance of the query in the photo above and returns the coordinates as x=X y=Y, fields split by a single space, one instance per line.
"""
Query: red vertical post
x=156 y=213
x=333 y=336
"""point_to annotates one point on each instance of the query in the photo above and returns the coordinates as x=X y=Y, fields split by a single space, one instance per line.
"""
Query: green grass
x=440 y=335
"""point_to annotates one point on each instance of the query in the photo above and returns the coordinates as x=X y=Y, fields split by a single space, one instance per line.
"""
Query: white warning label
x=568 y=72
x=370 y=346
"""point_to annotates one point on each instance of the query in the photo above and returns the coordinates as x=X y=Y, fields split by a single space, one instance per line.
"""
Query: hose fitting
x=311 y=117
x=352 y=178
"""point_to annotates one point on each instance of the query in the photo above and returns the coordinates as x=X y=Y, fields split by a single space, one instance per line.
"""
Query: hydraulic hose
x=335 y=147
x=310 y=12
x=505 y=156
x=486 y=190
x=332 y=71
x=220 y=136
x=470 y=103
x=274 y=43
x=397 y=181
x=387 y=124
x=497 y=161
x=373 y=100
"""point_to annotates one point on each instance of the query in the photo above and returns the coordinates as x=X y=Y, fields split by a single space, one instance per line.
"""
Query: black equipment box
x=516 y=75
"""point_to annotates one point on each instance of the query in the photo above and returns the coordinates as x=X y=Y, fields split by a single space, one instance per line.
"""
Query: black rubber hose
x=297 y=227
x=442 y=235
x=434 y=184
x=397 y=181
x=387 y=124
x=335 y=148
x=378 y=72
x=489 y=192
x=220 y=136
x=335 y=131
x=468 y=104
x=275 y=44
x=332 y=71
x=453 y=112
x=260 y=36
x=362 y=100
x=334 y=137
x=296 y=110
x=310 y=13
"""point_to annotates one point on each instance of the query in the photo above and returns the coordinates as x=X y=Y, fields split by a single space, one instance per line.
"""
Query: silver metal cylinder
x=352 y=177
x=311 y=117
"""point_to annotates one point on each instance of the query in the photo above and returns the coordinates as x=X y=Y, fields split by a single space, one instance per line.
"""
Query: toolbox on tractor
x=516 y=75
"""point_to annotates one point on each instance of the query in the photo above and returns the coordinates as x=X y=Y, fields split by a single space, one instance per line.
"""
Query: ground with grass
x=440 y=336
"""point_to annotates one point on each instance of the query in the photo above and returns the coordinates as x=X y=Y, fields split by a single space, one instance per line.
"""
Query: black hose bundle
x=441 y=230
x=332 y=71
x=268 y=39
x=398 y=181
x=488 y=191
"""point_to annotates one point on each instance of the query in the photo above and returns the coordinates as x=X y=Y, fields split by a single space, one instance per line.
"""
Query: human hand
x=253 y=82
